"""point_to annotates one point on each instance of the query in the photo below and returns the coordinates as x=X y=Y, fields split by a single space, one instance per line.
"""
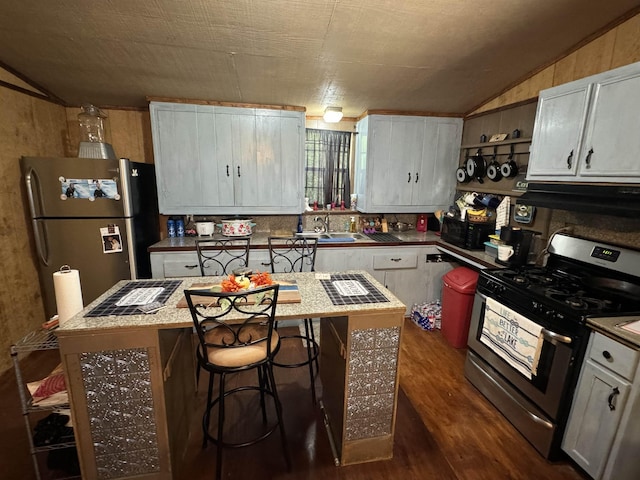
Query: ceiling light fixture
x=332 y=114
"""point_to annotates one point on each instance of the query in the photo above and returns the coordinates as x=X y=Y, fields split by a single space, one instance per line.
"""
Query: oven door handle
x=547 y=334
x=556 y=337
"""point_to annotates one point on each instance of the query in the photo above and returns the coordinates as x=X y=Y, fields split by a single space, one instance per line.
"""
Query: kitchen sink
x=317 y=235
x=347 y=236
x=357 y=236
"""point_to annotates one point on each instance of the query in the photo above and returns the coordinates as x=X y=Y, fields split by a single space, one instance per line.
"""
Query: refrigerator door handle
x=31 y=180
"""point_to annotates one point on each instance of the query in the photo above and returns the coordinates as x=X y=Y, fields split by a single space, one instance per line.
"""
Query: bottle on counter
x=180 y=227
x=300 y=227
x=352 y=225
x=171 y=228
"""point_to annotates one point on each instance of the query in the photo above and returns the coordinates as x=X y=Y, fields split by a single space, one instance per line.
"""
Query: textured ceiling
x=443 y=56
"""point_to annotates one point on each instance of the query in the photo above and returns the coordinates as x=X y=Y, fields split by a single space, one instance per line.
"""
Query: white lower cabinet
x=259 y=260
x=603 y=432
x=405 y=271
x=185 y=264
x=174 y=264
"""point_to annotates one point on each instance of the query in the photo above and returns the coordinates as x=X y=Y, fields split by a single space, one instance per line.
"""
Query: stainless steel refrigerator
x=97 y=216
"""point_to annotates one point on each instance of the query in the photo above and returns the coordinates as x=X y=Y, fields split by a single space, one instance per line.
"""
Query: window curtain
x=327 y=169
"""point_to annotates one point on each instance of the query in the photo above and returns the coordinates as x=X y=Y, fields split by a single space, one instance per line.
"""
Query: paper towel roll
x=66 y=284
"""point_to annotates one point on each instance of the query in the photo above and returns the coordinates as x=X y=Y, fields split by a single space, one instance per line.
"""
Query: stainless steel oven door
x=548 y=387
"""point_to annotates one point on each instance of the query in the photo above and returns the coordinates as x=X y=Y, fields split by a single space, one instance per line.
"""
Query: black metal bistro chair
x=297 y=254
x=223 y=255
x=236 y=333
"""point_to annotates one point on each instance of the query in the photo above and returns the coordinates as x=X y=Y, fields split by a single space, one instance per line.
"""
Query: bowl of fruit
x=240 y=283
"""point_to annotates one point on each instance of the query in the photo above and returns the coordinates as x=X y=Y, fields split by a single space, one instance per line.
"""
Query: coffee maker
x=525 y=245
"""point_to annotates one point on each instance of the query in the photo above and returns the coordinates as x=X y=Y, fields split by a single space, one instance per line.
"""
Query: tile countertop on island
x=106 y=358
x=315 y=303
x=259 y=240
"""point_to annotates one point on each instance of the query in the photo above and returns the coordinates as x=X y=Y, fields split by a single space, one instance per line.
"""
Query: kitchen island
x=131 y=382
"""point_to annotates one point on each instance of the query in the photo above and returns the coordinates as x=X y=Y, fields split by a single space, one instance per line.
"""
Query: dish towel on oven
x=513 y=337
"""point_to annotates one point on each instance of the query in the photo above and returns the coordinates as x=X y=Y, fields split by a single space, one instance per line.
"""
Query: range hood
x=618 y=200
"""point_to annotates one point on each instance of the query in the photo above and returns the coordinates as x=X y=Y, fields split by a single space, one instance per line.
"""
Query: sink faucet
x=321 y=224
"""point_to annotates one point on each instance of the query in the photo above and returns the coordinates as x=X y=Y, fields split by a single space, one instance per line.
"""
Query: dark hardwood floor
x=445 y=429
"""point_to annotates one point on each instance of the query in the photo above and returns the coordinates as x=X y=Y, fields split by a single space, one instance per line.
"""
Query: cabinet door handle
x=416 y=177
x=238 y=171
x=227 y=170
x=409 y=181
x=588 y=159
x=570 y=160
x=614 y=393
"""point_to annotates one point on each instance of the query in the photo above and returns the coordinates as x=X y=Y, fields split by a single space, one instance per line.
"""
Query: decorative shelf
x=512 y=141
x=466 y=187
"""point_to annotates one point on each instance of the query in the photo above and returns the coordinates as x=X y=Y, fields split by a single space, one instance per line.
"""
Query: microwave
x=465 y=234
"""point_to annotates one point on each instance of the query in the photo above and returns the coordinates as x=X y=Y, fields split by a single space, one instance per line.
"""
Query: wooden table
x=130 y=378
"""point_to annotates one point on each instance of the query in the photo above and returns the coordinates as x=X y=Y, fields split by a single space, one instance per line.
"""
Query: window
x=327 y=177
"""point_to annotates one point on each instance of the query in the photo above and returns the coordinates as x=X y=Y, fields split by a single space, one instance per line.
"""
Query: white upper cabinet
x=587 y=130
x=406 y=164
x=227 y=160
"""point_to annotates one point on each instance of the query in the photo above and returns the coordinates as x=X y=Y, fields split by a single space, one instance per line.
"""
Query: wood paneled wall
x=128 y=132
x=28 y=126
x=615 y=48
x=31 y=126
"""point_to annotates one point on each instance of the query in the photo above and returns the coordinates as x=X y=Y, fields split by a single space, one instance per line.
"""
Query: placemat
x=351 y=292
x=110 y=307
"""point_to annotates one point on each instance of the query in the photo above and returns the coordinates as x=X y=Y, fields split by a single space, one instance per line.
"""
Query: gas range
x=545 y=309
x=571 y=289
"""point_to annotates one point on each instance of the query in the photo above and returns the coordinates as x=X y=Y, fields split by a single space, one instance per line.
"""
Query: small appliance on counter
x=525 y=244
x=465 y=234
x=204 y=229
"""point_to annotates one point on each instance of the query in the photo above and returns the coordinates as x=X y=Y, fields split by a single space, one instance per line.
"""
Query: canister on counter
x=171 y=228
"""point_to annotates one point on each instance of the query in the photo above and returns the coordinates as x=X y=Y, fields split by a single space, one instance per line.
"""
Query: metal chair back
x=234 y=320
x=222 y=256
x=292 y=254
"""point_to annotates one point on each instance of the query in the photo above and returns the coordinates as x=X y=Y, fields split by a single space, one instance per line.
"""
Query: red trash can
x=459 y=286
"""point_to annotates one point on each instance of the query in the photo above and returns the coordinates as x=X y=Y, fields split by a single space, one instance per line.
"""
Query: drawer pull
x=614 y=393
x=397 y=259
x=190 y=267
x=606 y=355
